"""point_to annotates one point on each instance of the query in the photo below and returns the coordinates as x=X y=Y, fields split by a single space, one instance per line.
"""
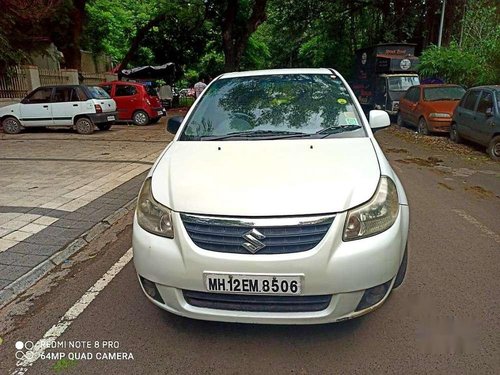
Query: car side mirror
x=489 y=112
x=379 y=119
x=174 y=123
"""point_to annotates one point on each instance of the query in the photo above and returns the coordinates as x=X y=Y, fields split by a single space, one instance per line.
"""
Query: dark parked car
x=477 y=118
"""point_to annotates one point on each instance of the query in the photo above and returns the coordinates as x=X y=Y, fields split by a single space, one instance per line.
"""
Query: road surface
x=443 y=319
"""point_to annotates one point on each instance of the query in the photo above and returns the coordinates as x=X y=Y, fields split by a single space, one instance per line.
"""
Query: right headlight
x=151 y=215
x=375 y=216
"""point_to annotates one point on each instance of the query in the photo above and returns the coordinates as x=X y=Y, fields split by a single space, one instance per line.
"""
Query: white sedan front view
x=273 y=204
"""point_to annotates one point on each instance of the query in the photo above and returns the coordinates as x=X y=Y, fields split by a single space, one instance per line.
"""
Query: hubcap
x=496 y=149
x=11 y=125
x=85 y=126
x=140 y=118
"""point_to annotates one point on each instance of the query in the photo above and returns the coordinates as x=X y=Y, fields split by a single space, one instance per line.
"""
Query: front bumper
x=439 y=125
x=341 y=269
x=98 y=118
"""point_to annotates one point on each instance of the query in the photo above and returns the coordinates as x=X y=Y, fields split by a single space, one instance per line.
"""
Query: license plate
x=111 y=118
x=253 y=284
x=160 y=113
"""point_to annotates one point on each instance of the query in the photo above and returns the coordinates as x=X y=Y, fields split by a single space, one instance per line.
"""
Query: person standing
x=199 y=86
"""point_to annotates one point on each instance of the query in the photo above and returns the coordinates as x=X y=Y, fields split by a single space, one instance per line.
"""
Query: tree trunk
x=71 y=47
x=139 y=37
x=235 y=39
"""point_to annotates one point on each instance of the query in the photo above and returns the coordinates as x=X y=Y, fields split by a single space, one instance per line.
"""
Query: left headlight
x=440 y=115
x=151 y=215
x=375 y=216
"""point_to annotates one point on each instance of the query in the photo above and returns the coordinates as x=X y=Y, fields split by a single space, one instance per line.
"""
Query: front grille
x=257 y=303
x=281 y=236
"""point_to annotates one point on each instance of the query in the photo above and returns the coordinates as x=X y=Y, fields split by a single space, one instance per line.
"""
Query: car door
x=413 y=97
x=127 y=100
x=36 y=108
x=404 y=105
x=66 y=104
x=466 y=114
x=483 y=122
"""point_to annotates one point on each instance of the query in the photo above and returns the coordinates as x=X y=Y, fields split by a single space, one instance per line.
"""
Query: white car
x=273 y=204
x=78 y=106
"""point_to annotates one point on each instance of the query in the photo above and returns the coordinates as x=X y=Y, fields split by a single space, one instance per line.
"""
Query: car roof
x=488 y=87
x=427 y=85
x=52 y=86
x=123 y=82
x=253 y=73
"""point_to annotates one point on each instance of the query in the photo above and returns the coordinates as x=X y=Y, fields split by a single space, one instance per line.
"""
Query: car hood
x=266 y=178
x=442 y=106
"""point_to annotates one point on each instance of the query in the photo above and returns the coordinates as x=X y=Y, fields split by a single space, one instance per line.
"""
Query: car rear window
x=443 y=93
x=98 y=92
x=151 y=91
x=302 y=103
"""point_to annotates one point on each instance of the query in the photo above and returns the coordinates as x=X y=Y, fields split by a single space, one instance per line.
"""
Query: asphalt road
x=444 y=318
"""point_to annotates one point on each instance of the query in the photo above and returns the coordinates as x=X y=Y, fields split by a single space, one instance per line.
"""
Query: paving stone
x=11 y=272
x=4 y=283
x=31 y=248
x=73 y=224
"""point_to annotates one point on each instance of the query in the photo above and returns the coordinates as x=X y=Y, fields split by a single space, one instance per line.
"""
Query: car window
x=299 y=103
x=62 y=94
x=443 y=93
x=470 y=100
x=402 y=83
x=78 y=95
x=151 y=90
x=107 y=88
x=41 y=95
x=97 y=92
x=412 y=94
x=125 y=90
x=486 y=102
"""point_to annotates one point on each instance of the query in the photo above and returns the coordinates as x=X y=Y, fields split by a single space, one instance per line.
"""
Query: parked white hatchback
x=78 y=106
x=273 y=204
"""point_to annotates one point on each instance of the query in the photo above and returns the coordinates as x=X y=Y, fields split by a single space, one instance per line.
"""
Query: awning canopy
x=166 y=72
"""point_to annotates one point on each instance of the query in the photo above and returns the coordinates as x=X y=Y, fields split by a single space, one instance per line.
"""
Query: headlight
x=151 y=215
x=440 y=115
x=375 y=216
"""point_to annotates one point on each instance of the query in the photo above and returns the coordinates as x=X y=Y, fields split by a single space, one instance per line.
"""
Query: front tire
x=493 y=149
x=140 y=118
x=104 y=127
x=400 y=121
x=11 y=125
x=422 y=127
x=454 y=136
x=84 y=126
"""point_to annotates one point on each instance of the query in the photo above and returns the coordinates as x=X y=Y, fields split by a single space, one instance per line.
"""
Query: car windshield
x=402 y=83
x=443 y=93
x=98 y=92
x=274 y=106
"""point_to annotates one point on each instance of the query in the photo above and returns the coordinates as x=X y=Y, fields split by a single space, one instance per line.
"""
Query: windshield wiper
x=275 y=134
x=338 y=129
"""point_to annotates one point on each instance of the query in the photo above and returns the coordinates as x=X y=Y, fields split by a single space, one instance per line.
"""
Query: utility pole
x=441 y=24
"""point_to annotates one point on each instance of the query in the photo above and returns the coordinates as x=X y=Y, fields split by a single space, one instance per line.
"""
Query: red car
x=135 y=101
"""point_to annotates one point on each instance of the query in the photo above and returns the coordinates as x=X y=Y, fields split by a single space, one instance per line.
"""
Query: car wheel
x=154 y=120
x=422 y=127
x=140 y=118
x=402 y=270
x=399 y=120
x=454 y=136
x=84 y=126
x=104 y=126
x=493 y=149
x=11 y=125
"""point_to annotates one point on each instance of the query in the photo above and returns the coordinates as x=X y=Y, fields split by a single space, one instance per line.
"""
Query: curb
x=30 y=278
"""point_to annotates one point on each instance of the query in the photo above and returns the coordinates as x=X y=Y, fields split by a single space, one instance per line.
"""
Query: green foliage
x=473 y=60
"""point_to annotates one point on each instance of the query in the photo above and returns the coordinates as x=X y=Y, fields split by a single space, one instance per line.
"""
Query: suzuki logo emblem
x=252 y=243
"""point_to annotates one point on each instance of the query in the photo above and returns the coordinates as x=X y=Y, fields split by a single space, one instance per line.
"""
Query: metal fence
x=93 y=78
x=14 y=83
